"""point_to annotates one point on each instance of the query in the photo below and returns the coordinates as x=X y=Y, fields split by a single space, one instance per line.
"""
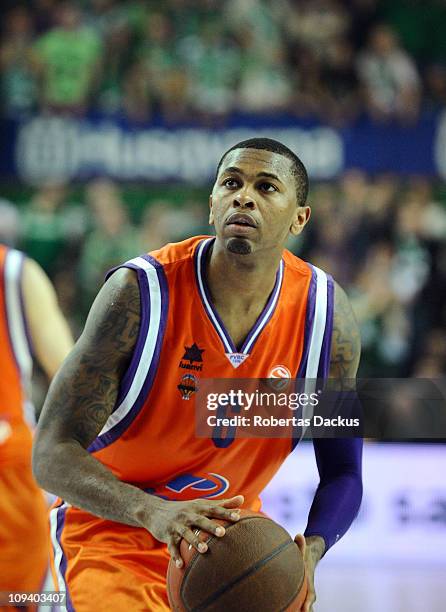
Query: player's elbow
x=40 y=461
x=47 y=464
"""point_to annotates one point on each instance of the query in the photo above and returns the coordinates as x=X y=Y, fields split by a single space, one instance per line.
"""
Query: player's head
x=264 y=180
x=297 y=168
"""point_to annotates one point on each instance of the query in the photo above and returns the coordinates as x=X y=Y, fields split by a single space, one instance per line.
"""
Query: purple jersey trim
x=22 y=308
x=63 y=563
x=113 y=434
x=144 y=293
x=274 y=297
x=324 y=361
x=200 y=269
x=309 y=321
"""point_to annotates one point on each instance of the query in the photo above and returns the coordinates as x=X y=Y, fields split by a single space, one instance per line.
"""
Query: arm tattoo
x=84 y=391
x=346 y=342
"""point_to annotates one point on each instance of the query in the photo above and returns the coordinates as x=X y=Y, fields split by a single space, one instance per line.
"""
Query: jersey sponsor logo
x=236 y=359
x=194 y=355
x=188 y=386
x=192 y=486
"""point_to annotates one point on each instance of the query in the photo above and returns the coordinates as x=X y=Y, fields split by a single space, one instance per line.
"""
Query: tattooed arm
x=346 y=342
x=338 y=496
x=80 y=399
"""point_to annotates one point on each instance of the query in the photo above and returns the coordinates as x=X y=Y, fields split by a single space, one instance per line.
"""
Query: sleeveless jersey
x=149 y=440
x=16 y=411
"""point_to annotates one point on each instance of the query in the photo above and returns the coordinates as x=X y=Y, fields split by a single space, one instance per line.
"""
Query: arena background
x=113 y=116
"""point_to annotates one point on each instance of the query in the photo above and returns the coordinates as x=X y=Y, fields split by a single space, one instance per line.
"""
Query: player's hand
x=172 y=521
x=312 y=549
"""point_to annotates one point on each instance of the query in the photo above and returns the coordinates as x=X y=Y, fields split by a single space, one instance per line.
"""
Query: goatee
x=239 y=246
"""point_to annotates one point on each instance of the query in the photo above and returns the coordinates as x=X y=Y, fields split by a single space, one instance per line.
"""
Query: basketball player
x=116 y=439
x=29 y=317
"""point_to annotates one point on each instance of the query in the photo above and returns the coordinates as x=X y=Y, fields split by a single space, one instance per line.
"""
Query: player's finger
x=228 y=514
x=174 y=551
x=192 y=538
x=210 y=526
x=232 y=502
x=308 y=604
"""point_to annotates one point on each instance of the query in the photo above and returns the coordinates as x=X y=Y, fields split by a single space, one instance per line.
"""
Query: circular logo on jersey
x=281 y=375
x=279 y=371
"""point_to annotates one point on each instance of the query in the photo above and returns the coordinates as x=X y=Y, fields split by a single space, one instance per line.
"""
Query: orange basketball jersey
x=16 y=411
x=149 y=440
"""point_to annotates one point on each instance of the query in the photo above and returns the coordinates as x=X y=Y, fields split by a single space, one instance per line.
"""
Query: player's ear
x=301 y=217
x=211 y=212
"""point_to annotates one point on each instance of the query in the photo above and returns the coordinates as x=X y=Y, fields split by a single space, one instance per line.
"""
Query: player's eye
x=231 y=183
x=267 y=187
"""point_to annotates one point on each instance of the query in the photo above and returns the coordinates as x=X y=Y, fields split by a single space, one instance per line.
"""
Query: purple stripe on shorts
x=63 y=563
x=309 y=321
x=324 y=361
x=113 y=434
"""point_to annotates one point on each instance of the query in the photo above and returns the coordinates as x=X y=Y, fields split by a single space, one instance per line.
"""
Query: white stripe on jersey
x=317 y=337
x=58 y=552
x=209 y=309
x=267 y=314
x=319 y=323
x=16 y=325
x=149 y=346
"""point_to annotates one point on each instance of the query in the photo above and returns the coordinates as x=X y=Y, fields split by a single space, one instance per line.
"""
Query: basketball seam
x=196 y=556
x=242 y=576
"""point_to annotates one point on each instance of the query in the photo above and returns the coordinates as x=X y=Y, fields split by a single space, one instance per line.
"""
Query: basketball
x=254 y=566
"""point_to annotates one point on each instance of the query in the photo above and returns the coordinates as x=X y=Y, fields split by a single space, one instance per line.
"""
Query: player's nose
x=244 y=199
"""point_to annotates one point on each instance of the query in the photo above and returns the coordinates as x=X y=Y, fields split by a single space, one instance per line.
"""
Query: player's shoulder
x=176 y=252
x=298 y=266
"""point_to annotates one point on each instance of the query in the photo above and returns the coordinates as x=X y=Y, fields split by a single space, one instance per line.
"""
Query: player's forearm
x=70 y=472
x=338 y=497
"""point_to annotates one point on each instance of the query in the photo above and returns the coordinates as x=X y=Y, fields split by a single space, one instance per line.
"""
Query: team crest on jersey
x=192 y=486
x=194 y=355
x=188 y=386
x=236 y=359
x=281 y=376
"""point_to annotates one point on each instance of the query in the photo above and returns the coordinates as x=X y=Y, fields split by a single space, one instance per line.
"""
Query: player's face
x=253 y=202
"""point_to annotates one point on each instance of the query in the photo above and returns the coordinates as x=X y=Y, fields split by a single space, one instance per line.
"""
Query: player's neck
x=241 y=278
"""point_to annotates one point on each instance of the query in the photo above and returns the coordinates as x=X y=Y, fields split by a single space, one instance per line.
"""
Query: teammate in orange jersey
x=29 y=317
x=116 y=440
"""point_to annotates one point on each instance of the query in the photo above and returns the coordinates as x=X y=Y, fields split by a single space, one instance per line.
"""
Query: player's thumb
x=301 y=543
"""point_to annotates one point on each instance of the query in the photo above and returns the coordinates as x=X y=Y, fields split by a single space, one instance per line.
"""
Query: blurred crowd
x=382 y=238
x=335 y=60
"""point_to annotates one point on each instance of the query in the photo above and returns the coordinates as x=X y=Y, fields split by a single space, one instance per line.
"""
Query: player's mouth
x=242 y=222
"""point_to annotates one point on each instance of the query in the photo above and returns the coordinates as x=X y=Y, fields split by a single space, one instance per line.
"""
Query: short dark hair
x=268 y=144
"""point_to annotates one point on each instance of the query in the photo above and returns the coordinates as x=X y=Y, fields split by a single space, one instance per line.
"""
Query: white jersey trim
x=319 y=323
x=149 y=346
x=16 y=325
